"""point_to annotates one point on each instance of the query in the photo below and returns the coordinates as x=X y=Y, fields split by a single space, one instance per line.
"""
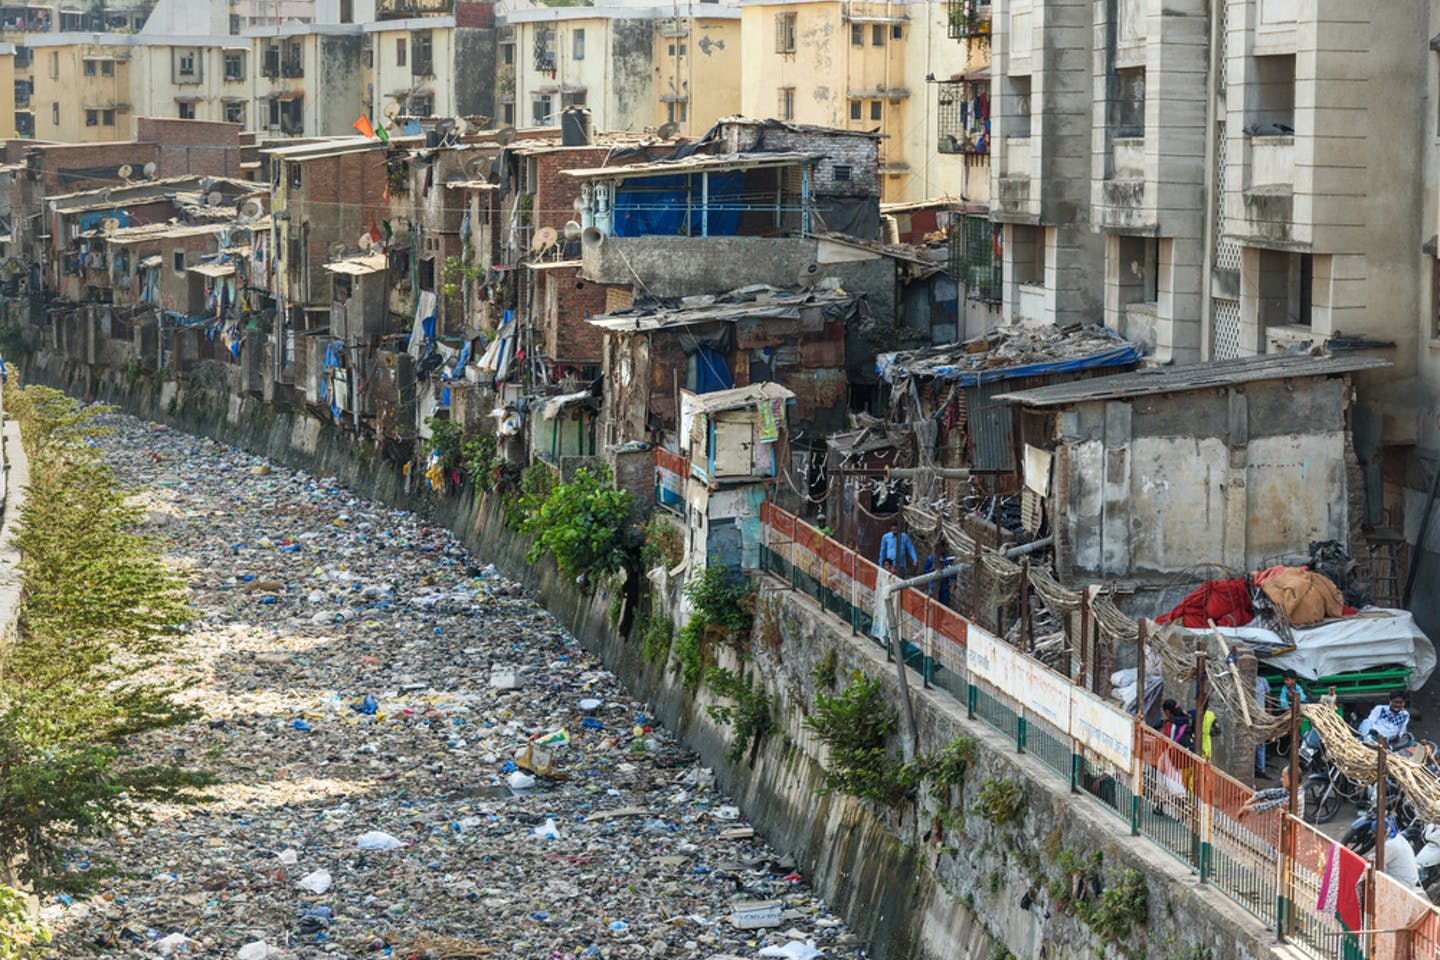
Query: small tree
x=584 y=524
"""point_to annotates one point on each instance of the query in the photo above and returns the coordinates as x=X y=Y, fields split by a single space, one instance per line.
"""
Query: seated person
x=1389 y=723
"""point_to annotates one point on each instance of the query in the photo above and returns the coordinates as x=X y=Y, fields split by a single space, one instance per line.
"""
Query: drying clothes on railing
x=1225 y=602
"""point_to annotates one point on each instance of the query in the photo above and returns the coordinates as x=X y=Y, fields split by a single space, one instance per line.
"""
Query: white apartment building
x=1228 y=197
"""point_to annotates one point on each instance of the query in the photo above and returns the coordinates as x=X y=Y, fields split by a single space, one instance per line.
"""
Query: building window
x=682 y=48
x=271 y=66
x=107 y=117
x=235 y=113
x=187 y=111
x=856 y=106
x=422 y=105
x=234 y=65
x=186 y=66
x=842 y=172
x=877 y=35
x=55 y=113
x=507 y=114
x=974 y=261
x=1270 y=99
x=1017 y=117
x=423 y=60
x=575 y=98
x=787 y=103
x=785 y=32
x=54 y=66
x=347 y=11
x=1435 y=297
x=89 y=68
x=897 y=31
x=297 y=176
x=1138 y=270
x=107 y=68
x=507 y=54
x=877 y=109
x=1283 y=288
x=545 y=50
x=1129 y=105
x=400 y=51
x=177 y=262
x=92 y=118
x=577 y=44
x=857 y=35
x=542 y=111
x=676 y=111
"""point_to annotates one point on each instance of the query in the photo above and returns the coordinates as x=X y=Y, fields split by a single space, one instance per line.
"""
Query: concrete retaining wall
x=907 y=885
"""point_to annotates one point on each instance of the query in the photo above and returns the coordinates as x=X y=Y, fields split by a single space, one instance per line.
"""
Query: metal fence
x=1271 y=863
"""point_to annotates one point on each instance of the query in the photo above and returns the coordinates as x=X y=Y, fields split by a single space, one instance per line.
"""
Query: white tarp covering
x=1377 y=637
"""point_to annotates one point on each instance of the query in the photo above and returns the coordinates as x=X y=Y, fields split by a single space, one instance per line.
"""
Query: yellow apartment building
x=697 y=64
x=636 y=68
x=82 y=89
x=915 y=72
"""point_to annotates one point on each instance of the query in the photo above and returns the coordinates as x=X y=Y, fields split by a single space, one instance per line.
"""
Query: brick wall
x=858 y=151
x=338 y=198
x=568 y=301
x=469 y=14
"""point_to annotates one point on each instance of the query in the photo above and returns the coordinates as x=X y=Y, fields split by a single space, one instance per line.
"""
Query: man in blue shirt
x=897 y=548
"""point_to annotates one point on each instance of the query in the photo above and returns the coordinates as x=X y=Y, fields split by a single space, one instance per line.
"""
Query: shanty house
x=707 y=344
x=1150 y=473
x=738 y=444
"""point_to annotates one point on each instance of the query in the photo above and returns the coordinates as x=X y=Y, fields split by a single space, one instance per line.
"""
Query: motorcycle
x=1361 y=835
x=1325 y=788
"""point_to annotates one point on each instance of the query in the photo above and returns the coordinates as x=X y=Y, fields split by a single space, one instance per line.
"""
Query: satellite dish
x=251 y=209
x=214 y=198
x=809 y=275
x=667 y=131
x=572 y=231
x=462 y=126
x=545 y=238
x=391 y=111
x=505 y=136
x=443 y=127
x=578 y=205
x=366 y=241
x=110 y=225
x=125 y=171
x=337 y=249
x=150 y=170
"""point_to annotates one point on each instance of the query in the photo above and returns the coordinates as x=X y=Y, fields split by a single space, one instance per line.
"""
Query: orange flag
x=363 y=125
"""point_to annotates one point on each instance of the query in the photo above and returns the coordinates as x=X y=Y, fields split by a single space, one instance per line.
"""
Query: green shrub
x=724 y=598
x=948 y=768
x=1002 y=802
x=690 y=654
x=750 y=712
x=583 y=524
x=855 y=724
x=21 y=937
x=445 y=440
x=659 y=631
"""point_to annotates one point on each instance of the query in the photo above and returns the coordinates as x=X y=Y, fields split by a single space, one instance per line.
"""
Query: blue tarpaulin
x=655 y=206
x=892 y=366
x=94 y=218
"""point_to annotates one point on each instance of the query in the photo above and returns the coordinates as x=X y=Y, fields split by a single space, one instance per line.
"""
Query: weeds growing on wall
x=100 y=613
x=1002 y=802
x=749 y=711
x=855 y=725
x=659 y=631
x=445 y=441
x=21 y=936
x=664 y=544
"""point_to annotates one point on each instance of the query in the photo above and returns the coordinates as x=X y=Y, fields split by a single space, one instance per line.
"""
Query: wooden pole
x=1140 y=643
x=1201 y=694
x=1083 y=678
x=1294 y=746
x=975 y=584
x=1027 y=636
x=1382 y=828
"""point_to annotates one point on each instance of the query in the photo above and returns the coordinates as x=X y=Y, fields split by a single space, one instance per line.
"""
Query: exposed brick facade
x=564 y=302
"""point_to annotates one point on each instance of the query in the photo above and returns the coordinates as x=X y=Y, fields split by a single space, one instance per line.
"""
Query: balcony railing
x=967 y=18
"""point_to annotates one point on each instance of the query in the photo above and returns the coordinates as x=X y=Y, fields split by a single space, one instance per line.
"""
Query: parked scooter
x=1326 y=789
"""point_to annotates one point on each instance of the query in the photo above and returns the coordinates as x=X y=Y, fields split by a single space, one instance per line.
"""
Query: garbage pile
x=412 y=759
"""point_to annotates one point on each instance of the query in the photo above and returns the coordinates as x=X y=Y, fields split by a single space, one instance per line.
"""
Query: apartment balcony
x=1269 y=196
x=967 y=18
x=1011 y=198
x=292 y=68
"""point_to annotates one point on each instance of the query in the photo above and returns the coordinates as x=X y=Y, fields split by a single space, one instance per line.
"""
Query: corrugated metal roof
x=358 y=266
x=698 y=164
x=739 y=397
x=1199 y=376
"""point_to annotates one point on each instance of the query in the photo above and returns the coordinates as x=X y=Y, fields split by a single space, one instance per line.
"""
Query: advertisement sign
x=1102 y=728
x=1046 y=695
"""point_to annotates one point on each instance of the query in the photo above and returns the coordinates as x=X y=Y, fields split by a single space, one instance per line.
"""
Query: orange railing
x=1271 y=863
